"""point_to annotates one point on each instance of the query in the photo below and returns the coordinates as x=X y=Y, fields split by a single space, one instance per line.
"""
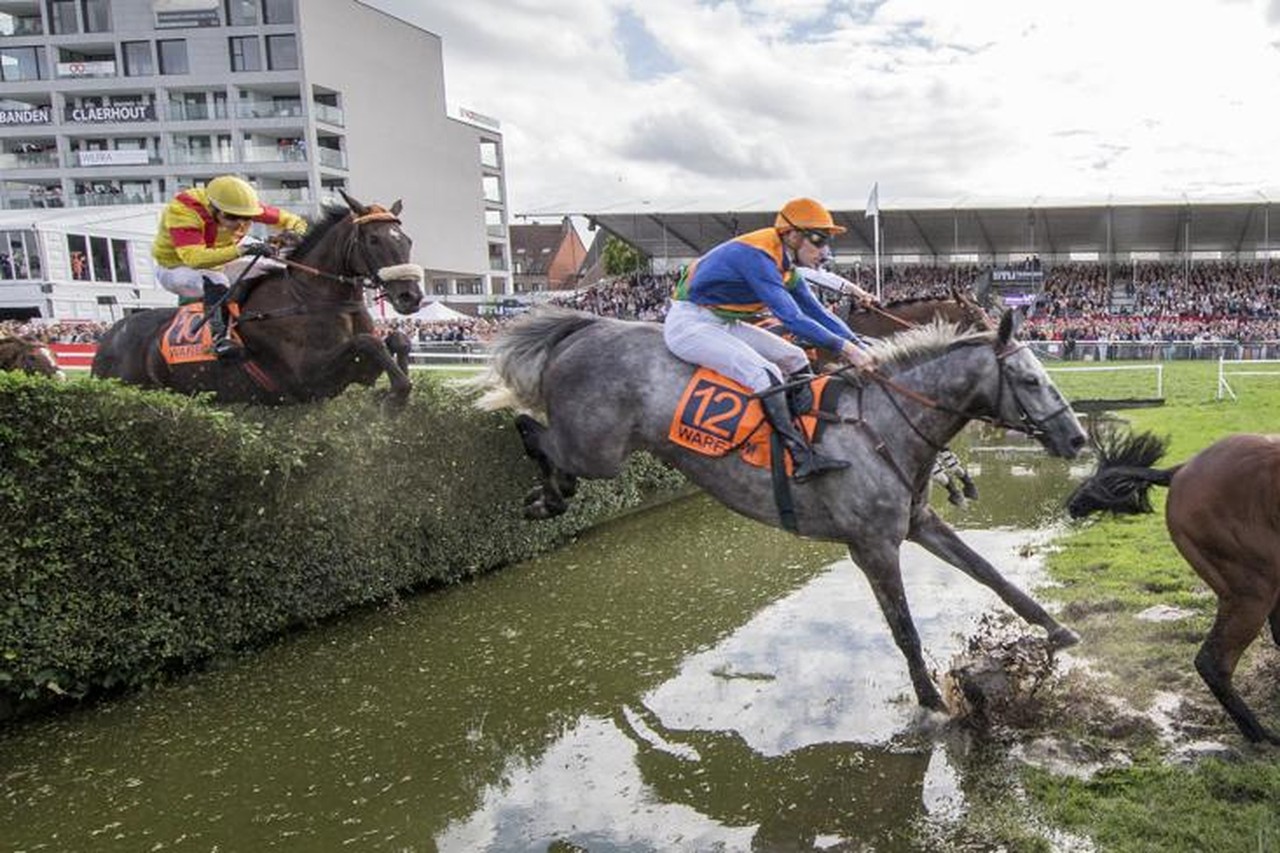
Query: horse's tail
x=519 y=358
x=1124 y=475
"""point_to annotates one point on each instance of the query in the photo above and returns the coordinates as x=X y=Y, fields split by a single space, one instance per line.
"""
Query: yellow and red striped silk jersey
x=190 y=236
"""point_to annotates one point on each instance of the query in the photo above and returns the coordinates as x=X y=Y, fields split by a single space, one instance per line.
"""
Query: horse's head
x=380 y=251
x=1028 y=399
x=31 y=356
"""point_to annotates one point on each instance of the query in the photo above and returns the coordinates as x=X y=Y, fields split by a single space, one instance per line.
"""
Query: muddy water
x=681 y=679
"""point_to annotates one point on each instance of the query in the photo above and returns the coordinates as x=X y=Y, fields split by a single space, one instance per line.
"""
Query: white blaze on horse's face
x=1029 y=395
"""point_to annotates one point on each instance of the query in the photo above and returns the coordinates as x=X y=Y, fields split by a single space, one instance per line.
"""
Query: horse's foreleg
x=370 y=347
x=398 y=345
x=884 y=572
x=937 y=537
x=1238 y=622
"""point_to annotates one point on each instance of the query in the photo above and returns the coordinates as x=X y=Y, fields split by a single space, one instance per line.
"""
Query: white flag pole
x=873 y=211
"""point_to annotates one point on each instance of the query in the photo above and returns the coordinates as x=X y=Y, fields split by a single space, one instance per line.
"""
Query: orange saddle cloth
x=716 y=416
x=186 y=339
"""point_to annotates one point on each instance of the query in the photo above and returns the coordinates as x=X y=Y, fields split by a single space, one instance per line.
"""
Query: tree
x=621 y=257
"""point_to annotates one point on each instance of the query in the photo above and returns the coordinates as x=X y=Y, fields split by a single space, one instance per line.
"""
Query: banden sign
x=113 y=113
x=35 y=115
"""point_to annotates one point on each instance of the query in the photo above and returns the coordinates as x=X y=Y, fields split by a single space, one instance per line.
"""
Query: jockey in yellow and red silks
x=200 y=233
x=715 y=302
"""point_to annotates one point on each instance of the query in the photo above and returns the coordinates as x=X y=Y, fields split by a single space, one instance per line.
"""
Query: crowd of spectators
x=1146 y=301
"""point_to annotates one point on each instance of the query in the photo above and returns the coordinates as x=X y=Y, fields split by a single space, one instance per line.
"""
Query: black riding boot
x=808 y=462
x=800 y=397
x=215 y=312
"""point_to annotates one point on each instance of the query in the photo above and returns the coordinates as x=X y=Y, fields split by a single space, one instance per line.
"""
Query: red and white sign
x=74 y=355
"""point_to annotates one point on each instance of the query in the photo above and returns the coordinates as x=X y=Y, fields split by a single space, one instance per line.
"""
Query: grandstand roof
x=984 y=228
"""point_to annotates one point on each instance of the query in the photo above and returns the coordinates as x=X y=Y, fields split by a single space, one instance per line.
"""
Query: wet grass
x=1108 y=570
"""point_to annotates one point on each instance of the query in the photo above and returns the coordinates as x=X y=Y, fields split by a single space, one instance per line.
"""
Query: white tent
x=438 y=312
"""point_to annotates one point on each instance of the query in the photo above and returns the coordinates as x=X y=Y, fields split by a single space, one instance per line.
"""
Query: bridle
x=355 y=246
x=894 y=390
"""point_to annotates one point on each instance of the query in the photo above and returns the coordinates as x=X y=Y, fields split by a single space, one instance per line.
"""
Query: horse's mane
x=922 y=343
x=330 y=216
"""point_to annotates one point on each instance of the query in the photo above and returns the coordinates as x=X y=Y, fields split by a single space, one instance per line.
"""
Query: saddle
x=716 y=416
x=188 y=339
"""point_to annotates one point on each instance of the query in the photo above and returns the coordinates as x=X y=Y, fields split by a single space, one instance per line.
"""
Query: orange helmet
x=805 y=213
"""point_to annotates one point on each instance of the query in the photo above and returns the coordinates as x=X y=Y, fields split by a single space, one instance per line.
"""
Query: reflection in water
x=798 y=731
x=683 y=679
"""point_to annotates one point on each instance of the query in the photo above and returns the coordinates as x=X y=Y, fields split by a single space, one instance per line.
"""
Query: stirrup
x=228 y=350
x=815 y=465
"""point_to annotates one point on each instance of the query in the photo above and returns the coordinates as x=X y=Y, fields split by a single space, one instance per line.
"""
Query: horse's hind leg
x=937 y=537
x=1237 y=624
x=548 y=499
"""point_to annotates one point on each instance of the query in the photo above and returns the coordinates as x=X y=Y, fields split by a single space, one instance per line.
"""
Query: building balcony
x=329 y=114
x=109 y=199
x=194 y=157
x=196 y=112
x=285 y=196
x=332 y=157
x=85 y=69
x=21 y=27
x=274 y=154
x=269 y=109
x=34 y=160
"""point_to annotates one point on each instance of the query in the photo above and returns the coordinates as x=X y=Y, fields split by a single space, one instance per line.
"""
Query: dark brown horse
x=306 y=329
x=29 y=356
x=892 y=317
x=1223 y=515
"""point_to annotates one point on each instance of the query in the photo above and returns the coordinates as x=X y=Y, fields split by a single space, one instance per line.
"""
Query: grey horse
x=591 y=390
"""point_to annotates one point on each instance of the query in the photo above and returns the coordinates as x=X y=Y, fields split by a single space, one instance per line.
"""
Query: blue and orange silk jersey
x=744 y=277
x=190 y=236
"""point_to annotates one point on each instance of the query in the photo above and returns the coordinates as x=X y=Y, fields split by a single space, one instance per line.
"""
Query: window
x=120 y=256
x=21 y=63
x=138 y=61
x=277 y=11
x=470 y=287
x=245 y=55
x=62 y=17
x=440 y=287
x=282 y=53
x=97 y=17
x=173 y=56
x=100 y=256
x=242 y=13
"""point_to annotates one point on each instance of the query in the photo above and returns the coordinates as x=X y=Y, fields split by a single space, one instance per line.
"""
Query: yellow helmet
x=234 y=196
x=806 y=213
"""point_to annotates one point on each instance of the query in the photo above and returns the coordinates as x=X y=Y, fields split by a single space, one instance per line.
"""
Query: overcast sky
x=684 y=105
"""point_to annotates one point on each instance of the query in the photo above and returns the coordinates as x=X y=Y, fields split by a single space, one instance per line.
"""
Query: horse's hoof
x=1062 y=638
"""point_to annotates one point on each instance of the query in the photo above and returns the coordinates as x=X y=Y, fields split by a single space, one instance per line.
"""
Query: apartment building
x=111 y=104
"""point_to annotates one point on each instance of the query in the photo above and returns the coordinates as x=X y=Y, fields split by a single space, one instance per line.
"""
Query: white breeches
x=188 y=282
x=745 y=353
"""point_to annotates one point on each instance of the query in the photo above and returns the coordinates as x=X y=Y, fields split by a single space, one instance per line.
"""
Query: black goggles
x=817 y=238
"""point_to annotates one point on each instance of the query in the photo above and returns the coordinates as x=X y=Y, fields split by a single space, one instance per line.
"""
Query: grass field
x=1109 y=570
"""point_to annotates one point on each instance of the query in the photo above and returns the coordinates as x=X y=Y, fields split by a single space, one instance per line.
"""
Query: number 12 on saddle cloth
x=716 y=416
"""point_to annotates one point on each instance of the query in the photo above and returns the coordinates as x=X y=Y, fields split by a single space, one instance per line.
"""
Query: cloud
x=721 y=102
x=697 y=145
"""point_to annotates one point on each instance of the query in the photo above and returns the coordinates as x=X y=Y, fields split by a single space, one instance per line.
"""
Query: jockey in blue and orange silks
x=721 y=293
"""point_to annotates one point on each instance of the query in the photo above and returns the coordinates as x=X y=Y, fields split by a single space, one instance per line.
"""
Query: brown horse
x=29 y=356
x=1223 y=515
x=898 y=314
x=306 y=329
